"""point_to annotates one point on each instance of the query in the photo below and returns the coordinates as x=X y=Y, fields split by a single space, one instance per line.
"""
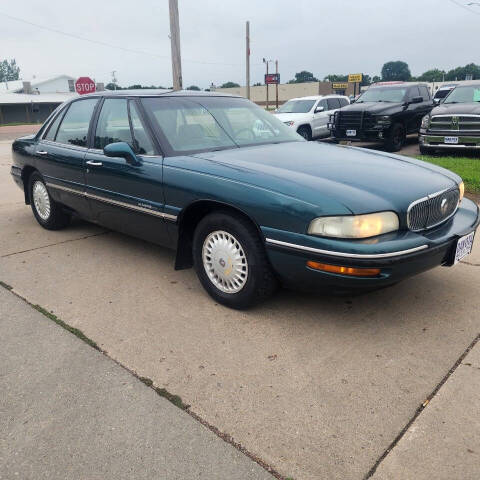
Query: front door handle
x=93 y=163
x=42 y=152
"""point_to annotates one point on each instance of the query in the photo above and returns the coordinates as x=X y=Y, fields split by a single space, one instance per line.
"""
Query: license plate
x=453 y=140
x=351 y=133
x=464 y=247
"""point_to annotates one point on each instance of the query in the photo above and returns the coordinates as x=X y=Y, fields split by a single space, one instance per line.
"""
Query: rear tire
x=231 y=262
x=396 y=138
x=305 y=132
x=47 y=212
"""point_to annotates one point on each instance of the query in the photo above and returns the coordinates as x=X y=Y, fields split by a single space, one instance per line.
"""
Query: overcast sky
x=322 y=36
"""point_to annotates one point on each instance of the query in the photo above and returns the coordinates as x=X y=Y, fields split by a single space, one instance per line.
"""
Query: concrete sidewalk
x=69 y=412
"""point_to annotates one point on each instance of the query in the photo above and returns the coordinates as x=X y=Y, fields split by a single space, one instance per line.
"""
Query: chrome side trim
x=303 y=248
x=118 y=203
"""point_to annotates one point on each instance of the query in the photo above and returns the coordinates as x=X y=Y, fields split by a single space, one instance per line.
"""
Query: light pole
x=266 y=62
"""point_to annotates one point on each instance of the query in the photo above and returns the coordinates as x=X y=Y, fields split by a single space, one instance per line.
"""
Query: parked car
x=455 y=123
x=442 y=92
x=384 y=113
x=248 y=206
x=309 y=115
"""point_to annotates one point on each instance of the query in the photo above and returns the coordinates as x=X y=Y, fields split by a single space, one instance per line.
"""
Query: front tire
x=396 y=138
x=231 y=262
x=305 y=132
x=47 y=212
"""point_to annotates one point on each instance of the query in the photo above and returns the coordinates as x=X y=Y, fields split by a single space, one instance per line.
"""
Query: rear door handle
x=42 y=152
x=93 y=163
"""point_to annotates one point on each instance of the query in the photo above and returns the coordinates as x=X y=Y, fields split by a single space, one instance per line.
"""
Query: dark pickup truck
x=384 y=113
x=455 y=123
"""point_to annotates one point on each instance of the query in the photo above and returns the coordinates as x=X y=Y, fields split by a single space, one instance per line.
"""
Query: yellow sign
x=339 y=86
x=355 y=77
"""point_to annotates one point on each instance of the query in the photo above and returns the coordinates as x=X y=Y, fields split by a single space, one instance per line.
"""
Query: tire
x=305 y=132
x=218 y=237
x=426 y=150
x=48 y=213
x=396 y=138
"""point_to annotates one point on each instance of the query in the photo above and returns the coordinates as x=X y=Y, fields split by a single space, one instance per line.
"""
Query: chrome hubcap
x=225 y=262
x=41 y=200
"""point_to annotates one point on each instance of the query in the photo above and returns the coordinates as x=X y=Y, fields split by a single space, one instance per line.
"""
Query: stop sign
x=84 y=85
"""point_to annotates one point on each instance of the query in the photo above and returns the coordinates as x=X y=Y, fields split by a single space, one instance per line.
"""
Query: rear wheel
x=396 y=138
x=48 y=213
x=231 y=262
x=305 y=132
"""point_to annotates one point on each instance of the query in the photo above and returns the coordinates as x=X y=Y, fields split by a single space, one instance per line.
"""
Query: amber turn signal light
x=354 y=272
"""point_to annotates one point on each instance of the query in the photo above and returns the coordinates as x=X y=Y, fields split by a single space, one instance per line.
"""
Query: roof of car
x=317 y=97
x=160 y=92
x=467 y=83
x=397 y=84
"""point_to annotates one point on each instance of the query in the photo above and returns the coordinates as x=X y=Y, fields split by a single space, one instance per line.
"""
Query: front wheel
x=305 y=132
x=231 y=262
x=396 y=138
x=48 y=213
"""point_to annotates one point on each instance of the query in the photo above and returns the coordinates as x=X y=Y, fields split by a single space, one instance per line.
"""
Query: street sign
x=272 y=79
x=355 y=77
x=339 y=86
x=84 y=85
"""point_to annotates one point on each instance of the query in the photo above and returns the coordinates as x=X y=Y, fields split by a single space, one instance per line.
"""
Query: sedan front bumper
x=398 y=255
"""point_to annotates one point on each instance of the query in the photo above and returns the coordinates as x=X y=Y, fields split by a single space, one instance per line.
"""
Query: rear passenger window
x=333 y=103
x=74 y=127
x=113 y=125
x=52 y=130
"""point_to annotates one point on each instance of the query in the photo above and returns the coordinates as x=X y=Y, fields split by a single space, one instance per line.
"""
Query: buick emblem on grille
x=444 y=206
x=455 y=125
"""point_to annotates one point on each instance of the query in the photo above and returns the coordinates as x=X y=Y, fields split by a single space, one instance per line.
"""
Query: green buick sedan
x=241 y=197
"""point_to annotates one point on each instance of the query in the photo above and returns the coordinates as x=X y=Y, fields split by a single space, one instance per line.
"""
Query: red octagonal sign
x=84 y=85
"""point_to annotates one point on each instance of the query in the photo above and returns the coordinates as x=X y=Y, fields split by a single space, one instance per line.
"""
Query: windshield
x=191 y=125
x=296 y=106
x=387 y=94
x=467 y=94
x=442 y=93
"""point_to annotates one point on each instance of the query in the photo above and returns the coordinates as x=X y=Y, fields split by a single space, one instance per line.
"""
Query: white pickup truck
x=309 y=115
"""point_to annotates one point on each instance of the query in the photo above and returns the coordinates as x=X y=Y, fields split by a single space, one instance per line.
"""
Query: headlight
x=383 y=119
x=426 y=121
x=355 y=226
x=461 y=188
x=289 y=123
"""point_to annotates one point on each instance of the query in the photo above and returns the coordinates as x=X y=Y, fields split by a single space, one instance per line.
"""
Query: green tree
x=460 y=73
x=433 y=75
x=193 y=87
x=333 y=77
x=229 y=85
x=112 y=86
x=257 y=84
x=366 y=79
x=398 y=70
x=376 y=79
x=9 y=70
x=303 y=77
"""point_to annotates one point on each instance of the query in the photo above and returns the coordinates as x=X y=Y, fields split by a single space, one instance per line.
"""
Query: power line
x=105 y=44
x=465 y=7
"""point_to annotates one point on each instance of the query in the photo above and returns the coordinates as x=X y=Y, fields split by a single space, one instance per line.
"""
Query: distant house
x=32 y=101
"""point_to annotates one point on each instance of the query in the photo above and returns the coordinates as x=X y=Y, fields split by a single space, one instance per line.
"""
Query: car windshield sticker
x=476 y=95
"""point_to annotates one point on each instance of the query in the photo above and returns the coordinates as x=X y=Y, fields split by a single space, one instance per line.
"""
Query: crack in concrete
x=54 y=244
x=421 y=408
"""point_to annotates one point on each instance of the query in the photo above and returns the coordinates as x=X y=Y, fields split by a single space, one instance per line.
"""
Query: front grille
x=456 y=124
x=353 y=120
x=432 y=210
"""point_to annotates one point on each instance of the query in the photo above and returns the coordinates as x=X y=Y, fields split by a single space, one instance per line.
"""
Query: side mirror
x=416 y=100
x=319 y=109
x=436 y=101
x=122 y=150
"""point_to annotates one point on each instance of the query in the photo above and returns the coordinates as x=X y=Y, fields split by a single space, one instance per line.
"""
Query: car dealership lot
x=316 y=386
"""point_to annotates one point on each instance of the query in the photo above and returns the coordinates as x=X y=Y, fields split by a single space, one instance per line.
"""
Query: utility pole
x=276 y=85
x=175 y=44
x=266 y=62
x=248 y=59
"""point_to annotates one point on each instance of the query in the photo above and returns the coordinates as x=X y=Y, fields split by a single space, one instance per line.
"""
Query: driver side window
x=113 y=125
x=323 y=103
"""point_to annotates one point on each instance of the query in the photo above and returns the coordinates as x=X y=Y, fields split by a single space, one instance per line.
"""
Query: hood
x=361 y=180
x=381 y=108
x=457 y=109
x=295 y=117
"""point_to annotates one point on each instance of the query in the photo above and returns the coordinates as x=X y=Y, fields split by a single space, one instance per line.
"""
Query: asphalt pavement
x=313 y=386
